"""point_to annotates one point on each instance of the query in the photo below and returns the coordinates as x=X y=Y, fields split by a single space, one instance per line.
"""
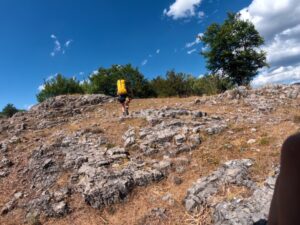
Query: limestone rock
x=232 y=172
x=249 y=210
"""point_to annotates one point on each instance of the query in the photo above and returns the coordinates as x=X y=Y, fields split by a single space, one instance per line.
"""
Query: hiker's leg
x=123 y=108
x=127 y=106
x=285 y=208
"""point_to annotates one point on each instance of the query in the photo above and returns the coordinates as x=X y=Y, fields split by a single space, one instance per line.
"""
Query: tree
x=9 y=110
x=211 y=85
x=59 y=85
x=175 y=84
x=105 y=81
x=233 y=49
x=160 y=87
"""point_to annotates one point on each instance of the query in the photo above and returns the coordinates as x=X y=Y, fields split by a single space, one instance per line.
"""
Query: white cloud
x=191 y=51
x=182 y=9
x=85 y=81
x=41 y=87
x=197 y=41
x=58 y=48
x=201 y=14
x=204 y=48
x=51 y=77
x=68 y=42
x=282 y=74
x=28 y=107
x=144 y=62
x=278 y=22
x=191 y=44
x=57 y=45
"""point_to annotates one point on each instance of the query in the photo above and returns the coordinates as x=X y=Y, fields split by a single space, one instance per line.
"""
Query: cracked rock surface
x=237 y=211
x=102 y=173
x=170 y=158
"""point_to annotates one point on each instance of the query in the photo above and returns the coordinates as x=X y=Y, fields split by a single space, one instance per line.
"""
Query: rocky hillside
x=209 y=160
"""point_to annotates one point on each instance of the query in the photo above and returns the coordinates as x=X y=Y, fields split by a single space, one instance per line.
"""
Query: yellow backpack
x=121 y=87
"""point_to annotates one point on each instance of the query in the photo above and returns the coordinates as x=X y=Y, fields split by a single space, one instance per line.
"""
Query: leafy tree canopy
x=105 y=81
x=175 y=84
x=233 y=49
x=59 y=85
x=9 y=110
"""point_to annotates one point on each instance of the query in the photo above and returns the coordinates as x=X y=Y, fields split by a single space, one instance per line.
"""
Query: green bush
x=59 y=85
x=105 y=81
x=182 y=85
x=9 y=110
x=175 y=84
x=211 y=85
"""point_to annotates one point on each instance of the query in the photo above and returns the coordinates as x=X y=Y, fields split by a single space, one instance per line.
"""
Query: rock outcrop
x=61 y=150
x=102 y=173
x=237 y=211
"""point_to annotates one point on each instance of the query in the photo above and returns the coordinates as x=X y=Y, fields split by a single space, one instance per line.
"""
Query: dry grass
x=202 y=217
x=296 y=118
x=211 y=153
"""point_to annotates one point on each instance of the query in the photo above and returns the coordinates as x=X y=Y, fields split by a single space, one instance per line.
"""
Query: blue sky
x=75 y=37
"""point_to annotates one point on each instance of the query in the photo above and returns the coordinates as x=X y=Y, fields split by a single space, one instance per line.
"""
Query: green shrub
x=175 y=84
x=9 y=110
x=105 y=81
x=210 y=85
x=59 y=85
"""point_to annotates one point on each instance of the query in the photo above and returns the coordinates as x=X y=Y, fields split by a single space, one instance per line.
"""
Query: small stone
x=47 y=163
x=33 y=218
x=177 y=180
x=60 y=208
x=18 y=195
x=195 y=140
x=190 y=205
x=163 y=165
x=198 y=114
x=168 y=198
x=228 y=146
x=9 y=206
x=4 y=173
x=61 y=194
x=159 y=213
x=251 y=141
x=197 y=129
x=179 y=139
x=180 y=169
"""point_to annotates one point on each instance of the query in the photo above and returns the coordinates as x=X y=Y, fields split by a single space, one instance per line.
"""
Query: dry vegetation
x=231 y=144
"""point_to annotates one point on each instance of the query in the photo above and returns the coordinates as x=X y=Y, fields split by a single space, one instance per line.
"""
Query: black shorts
x=122 y=98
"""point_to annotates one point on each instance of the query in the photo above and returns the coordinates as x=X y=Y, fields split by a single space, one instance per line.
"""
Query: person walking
x=123 y=96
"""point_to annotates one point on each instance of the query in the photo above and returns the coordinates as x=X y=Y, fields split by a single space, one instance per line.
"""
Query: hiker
x=123 y=96
x=285 y=209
